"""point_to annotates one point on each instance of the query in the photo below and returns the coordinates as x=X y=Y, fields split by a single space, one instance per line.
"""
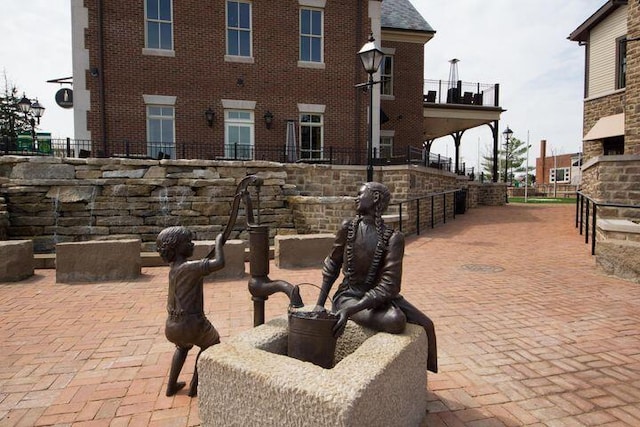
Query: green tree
x=12 y=121
x=515 y=156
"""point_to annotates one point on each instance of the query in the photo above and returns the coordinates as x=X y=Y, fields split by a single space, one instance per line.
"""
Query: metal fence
x=459 y=92
x=585 y=204
x=79 y=148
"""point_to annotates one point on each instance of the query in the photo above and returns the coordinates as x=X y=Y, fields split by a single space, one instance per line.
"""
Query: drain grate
x=483 y=268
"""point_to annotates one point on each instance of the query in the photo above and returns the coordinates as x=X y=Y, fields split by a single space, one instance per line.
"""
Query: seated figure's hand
x=343 y=316
x=220 y=240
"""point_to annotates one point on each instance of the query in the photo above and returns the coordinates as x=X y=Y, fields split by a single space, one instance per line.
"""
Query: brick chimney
x=543 y=166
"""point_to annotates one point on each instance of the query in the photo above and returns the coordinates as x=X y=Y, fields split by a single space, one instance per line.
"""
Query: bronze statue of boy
x=186 y=323
x=370 y=255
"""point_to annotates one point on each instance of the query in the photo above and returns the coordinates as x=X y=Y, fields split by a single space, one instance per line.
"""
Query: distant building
x=558 y=169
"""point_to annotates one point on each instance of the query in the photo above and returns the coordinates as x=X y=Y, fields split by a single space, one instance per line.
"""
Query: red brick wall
x=405 y=111
x=200 y=78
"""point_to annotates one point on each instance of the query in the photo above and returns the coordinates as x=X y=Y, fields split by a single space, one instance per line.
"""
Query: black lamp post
x=32 y=113
x=371 y=57
x=507 y=137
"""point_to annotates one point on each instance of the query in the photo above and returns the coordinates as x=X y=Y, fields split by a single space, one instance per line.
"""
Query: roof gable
x=581 y=34
x=401 y=15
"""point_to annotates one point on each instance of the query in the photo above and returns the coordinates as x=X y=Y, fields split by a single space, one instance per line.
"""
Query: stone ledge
x=98 y=261
x=302 y=250
x=620 y=258
x=618 y=225
x=16 y=260
x=249 y=380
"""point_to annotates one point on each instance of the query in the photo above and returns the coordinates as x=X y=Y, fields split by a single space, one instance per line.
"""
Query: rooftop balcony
x=451 y=107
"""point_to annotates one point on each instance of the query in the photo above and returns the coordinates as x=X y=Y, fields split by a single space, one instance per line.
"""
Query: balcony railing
x=80 y=148
x=461 y=93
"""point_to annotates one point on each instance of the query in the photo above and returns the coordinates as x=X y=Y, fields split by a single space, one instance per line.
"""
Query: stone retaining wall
x=52 y=200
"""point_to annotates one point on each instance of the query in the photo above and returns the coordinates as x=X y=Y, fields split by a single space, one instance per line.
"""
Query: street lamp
x=507 y=137
x=371 y=57
x=32 y=113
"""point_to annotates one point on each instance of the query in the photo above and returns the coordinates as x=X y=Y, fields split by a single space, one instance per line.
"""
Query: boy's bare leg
x=179 y=356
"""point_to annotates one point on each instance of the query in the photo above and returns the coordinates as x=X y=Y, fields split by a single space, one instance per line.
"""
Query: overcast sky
x=520 y=44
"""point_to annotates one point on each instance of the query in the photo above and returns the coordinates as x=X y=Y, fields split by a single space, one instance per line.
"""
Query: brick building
x=241 y=78
x=557 y=169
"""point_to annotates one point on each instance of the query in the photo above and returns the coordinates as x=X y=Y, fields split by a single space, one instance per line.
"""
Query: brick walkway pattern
x=530 y=332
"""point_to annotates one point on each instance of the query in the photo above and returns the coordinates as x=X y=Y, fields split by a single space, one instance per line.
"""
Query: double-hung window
x=239 y=28
x=311 y=136
x=311 y=35
x=161 y=131
x=159 y=24
x=386 y=75
x=238 y=134
x=386 y=146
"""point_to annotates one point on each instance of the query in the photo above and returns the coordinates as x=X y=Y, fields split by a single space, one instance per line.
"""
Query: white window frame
x=308 y=153
x=309 y=62
x=317 y=5
x=238 y=58
x=386 y=135
x=167 y=145
x=387 y=78
x=229 y=122
x=157 y=51
x=566 y=175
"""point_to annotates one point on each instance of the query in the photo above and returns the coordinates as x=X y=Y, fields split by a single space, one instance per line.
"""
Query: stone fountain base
x=379 y=379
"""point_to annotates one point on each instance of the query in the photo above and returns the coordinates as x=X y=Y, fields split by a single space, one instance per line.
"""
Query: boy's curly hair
x=169 y=238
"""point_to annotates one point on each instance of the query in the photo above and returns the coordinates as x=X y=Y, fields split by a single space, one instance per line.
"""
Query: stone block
x=16 y=260
x=380 y=380
x=302 y=250
x=233 y=257
x=98 y=261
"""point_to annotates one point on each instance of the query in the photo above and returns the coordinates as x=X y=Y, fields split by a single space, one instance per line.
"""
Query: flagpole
x=526 y=175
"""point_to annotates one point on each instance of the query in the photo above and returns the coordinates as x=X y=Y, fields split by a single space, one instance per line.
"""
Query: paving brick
x=542 y=340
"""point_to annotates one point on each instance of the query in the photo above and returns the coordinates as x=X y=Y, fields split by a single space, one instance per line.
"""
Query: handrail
x=431 y=196
x=582 y=215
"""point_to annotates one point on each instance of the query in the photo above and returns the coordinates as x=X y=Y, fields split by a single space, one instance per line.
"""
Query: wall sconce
x=268 y=119
x=209 y=114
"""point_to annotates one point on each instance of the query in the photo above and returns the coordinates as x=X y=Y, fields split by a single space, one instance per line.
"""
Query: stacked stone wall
x=4 y=219
x=613 y=179
x=51 y=200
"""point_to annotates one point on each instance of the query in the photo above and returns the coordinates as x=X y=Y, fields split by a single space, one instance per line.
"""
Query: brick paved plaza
x=530 y=332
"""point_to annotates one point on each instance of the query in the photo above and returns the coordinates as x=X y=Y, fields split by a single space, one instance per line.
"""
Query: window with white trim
x=239 y=28
x=161 y=131
x=239 y=128
x=159 y=24
x=386 y=75
x=560 y=175
x=311 y=136
x=386 y=147
x=311 y=35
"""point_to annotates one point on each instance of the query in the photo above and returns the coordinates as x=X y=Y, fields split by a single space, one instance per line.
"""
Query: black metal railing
x=587 y=209
x=462 y=93
x=67 y=147
x=426 y=216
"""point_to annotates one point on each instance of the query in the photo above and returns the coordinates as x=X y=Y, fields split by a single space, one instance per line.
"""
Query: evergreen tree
x=12 y=121
x=516 y=158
